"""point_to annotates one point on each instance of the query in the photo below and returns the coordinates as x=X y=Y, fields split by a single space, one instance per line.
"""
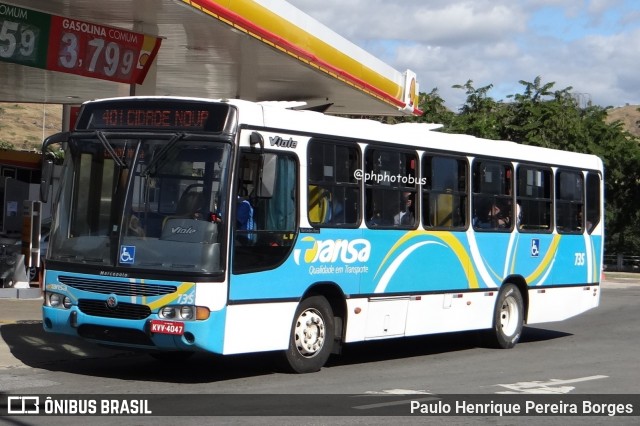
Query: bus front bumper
x=152 y=333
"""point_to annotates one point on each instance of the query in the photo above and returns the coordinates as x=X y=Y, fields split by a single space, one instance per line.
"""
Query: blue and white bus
x=357 y=231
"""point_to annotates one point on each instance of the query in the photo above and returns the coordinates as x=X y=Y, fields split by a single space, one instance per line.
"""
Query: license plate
x=167 y=327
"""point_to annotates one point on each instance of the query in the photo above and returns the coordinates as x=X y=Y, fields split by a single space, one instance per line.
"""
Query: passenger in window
x=135 y=228
x=502 y=216
x=244 y=214
x=495 y=218
x=337 y=209
x=588 y=225
x=376 y=219
x=482 y=213
x=244 y=220
x=405 y=215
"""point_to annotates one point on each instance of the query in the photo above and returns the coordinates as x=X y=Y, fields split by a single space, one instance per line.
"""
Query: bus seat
x=319 y=204
x=189 y=203
x=444 y=210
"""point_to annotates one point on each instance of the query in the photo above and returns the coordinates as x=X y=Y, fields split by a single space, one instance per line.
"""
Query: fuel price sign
x=23 y=36
x=99 y=51
x=56 y=43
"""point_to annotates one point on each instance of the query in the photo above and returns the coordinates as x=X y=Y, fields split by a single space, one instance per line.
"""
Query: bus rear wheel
x=312 y=334
x=508 y=318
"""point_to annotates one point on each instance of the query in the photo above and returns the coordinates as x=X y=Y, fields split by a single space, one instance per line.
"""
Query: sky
x=591 y=45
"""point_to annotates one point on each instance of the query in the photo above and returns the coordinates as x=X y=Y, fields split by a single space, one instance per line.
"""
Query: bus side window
x=492 y=196
x=594 y=181
x=569 y=202
x=444 y=192
x=333 y=192
x=275 y=217
x=533 y=195
x=391 y=188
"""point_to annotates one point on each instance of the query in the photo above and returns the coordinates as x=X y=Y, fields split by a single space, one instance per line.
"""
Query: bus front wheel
x=508 y=318
x=311 y=338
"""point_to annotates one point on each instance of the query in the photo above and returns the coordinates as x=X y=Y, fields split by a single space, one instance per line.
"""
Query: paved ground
x=28 y=312
x=16 y=310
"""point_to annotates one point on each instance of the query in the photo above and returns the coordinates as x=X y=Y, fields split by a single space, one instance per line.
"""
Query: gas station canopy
x=70 y=51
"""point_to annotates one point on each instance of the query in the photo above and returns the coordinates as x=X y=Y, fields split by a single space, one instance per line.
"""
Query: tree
x=551 y=118
x=542 y=117
x=480 y=116
x=433 y=109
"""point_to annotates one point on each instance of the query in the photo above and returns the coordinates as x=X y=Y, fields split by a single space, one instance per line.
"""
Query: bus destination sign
x=156 y=118
x=37 y=39
x=130 y=114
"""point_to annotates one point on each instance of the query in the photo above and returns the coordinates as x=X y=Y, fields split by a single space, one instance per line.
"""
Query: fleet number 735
x=579 y=261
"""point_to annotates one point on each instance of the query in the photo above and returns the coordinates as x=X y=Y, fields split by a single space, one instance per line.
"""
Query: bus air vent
x=98 y=308
x=117 y=287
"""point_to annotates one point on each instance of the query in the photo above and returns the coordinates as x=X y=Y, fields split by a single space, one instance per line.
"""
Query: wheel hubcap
x=309 y=333
x=509 y=316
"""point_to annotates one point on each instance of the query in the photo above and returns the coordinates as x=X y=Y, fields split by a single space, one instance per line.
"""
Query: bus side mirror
x=256 y=138
x=45 y=180
x=48 y=158
x=268 y=167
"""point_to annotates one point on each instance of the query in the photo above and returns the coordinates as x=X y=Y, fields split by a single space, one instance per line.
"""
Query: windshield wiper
x=110 y=150
x=153 y=163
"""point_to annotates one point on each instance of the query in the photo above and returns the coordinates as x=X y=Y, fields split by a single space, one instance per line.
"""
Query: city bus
x=185 y=225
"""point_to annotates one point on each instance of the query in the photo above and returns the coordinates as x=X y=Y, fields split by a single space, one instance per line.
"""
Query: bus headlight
x=168 y=312
x=184 y=312
x=55 y=300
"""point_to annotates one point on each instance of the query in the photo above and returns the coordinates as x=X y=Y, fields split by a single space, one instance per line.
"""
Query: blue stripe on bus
x=407 y=262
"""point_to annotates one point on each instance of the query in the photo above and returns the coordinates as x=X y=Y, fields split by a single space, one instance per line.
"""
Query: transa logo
x=330 y=251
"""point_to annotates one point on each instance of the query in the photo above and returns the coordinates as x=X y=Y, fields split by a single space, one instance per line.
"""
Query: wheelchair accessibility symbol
x=127 y=254
x=535 y=247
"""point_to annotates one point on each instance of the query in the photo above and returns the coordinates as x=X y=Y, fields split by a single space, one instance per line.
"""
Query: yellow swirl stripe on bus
x=487 y=265
x=398 y=243
x=449 y=239
x=463 y=257
x=171 y=298
x=546 y=261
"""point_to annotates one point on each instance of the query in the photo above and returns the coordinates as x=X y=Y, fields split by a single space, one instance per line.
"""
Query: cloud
x=591 y=46
x=434 y=22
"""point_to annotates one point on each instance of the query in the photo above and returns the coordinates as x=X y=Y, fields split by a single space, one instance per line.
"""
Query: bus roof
x=421 y=135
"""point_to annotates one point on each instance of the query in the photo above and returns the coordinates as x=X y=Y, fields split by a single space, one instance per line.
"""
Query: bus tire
x=508 y=318
x=311 y=338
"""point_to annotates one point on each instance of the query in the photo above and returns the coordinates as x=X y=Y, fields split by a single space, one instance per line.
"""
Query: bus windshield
x=142 y=201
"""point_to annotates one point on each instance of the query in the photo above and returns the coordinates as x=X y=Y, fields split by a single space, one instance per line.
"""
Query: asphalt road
x=593 y=354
